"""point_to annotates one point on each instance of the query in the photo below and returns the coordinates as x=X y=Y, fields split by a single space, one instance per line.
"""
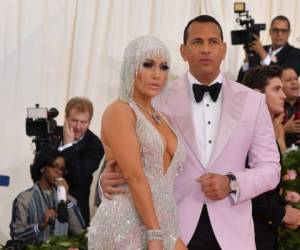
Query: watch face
x=233 y=185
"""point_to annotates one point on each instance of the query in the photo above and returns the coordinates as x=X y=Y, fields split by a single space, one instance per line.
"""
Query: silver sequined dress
x=116 y=224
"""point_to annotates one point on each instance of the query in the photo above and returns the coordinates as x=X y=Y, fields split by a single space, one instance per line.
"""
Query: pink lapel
x=232 y=106
x=179 y=103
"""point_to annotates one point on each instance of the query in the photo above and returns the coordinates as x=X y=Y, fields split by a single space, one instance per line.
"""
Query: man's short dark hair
x=201 y=19
x=282 y=18
x=259 y=76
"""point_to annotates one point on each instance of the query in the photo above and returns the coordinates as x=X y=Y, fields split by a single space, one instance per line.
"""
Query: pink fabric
x=245 y=128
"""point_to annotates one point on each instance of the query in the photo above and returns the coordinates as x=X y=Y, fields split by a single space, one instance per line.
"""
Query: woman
x=37 y=212
x=269 y=210
x=148 y=154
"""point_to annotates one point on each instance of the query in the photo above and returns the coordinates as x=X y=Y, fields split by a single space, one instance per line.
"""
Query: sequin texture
x=116 y=224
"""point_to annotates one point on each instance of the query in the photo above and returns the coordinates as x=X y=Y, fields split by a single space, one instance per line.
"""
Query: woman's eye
x=164 y=67
x=147 y=64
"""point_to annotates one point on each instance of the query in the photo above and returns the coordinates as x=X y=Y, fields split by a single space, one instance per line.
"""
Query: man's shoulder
x=291 y=50
x=91 y=137
x=90 y=141
x=239 y=87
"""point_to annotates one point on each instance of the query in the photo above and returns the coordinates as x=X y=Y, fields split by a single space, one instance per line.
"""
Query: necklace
x=154 y=114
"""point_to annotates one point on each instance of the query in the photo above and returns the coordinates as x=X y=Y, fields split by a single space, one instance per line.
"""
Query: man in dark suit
x=279 y=52
x=82 y=151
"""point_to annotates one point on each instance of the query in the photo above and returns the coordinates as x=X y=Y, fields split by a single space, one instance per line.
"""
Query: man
x=279 y=52
x=269 y=209
x=290 y=82
x=82 y=151
x=36 y=212
x=214 y=191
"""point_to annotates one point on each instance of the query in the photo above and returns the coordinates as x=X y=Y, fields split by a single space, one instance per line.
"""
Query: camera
x=40 y=124
x=245 y=36
x=51 y=221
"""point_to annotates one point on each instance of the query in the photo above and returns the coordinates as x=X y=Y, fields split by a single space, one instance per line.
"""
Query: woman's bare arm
x=118 y=130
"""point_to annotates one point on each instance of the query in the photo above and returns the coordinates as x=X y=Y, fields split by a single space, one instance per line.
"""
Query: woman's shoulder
x=118 y=110
x=117 y=107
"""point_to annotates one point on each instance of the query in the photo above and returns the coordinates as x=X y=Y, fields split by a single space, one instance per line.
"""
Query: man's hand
x=68 y=133
x=110 y=180
x=257 y=46
x=214 y=186
x=292 y=126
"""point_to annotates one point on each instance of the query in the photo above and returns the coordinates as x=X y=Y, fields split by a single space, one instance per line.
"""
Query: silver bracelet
x=155 y=234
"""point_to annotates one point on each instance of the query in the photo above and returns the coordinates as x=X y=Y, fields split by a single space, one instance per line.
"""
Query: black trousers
x=204 y=237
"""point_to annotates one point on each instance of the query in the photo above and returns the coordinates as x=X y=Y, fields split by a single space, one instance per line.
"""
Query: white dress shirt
x=271 y=57
x=206 y=118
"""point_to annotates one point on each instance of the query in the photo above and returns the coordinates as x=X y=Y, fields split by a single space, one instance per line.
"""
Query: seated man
x=290 y=83
x=37 y=212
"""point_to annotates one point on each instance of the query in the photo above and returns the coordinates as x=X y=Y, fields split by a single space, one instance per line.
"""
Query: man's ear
x=224 y=50
x=183 y=52
x=42 y=169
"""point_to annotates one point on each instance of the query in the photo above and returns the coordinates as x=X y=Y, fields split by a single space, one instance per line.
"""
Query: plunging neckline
x=164 y=173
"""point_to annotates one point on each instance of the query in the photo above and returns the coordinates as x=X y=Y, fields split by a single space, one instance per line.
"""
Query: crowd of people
x=192 y=163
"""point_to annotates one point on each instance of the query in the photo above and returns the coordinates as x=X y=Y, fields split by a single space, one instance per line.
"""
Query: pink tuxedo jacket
x=245 y=129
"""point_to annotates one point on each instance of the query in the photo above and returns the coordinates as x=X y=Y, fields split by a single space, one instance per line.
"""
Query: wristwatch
x=233 y=184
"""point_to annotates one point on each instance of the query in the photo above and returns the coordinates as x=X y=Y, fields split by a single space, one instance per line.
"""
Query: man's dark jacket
x=82 y=159
x=288 y=56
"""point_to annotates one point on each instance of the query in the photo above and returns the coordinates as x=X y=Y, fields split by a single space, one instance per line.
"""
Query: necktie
x=213 y=90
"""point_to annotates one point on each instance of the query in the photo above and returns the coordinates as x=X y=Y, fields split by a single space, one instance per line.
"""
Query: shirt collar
x=274 y=52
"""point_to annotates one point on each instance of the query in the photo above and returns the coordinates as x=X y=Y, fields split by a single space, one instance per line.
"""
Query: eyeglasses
x=57 y=167
x=277 y=31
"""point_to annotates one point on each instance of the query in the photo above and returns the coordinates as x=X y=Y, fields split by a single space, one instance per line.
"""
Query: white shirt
x=206 y=118
x=271 y=57
x=70 y=144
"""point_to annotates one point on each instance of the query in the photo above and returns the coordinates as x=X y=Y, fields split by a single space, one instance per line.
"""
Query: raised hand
x=68 y=132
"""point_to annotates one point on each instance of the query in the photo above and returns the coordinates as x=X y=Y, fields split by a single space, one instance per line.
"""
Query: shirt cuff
x=266 y=61
x=63 y=147
x=36 y=228
x=235 y=196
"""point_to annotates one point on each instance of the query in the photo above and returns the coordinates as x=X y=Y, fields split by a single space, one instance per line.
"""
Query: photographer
x=279 y=52
x=82 y=151
x=41 y=211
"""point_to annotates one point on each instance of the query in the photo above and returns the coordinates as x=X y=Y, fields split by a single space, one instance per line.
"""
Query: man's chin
x=77 y=136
